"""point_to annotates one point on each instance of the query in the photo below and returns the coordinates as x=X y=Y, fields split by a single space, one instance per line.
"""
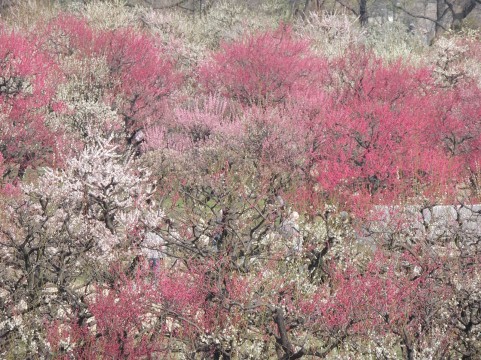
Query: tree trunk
x=460 y=12
x=441 y=9
x=363 y=15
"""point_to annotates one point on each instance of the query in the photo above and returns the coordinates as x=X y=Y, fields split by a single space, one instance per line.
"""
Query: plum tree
x=27 y=85
x=263 y=68
x=293 y=198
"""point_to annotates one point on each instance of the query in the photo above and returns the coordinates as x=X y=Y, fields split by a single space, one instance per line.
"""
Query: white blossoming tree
x=61 y=234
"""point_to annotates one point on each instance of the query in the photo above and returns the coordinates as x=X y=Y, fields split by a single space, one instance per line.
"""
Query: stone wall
x=437 y=223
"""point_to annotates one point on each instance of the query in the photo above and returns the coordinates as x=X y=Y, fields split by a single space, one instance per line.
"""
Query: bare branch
x=422 y=17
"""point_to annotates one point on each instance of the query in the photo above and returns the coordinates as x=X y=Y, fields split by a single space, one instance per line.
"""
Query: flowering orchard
x=258 y=198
